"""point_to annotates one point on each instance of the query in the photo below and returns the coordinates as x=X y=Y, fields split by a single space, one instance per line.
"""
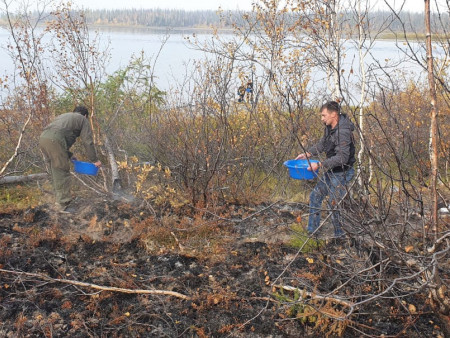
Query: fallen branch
x=99 y=287
x=314 y=296
x=21 y=178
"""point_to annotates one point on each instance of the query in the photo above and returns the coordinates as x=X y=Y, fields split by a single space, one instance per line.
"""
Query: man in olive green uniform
x=55 y=142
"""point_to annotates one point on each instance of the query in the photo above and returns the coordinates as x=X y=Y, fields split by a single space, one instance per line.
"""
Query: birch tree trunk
x=433 y=124
x=336 y=57
x=363 y=93
x=440 y=293
x=333 y=79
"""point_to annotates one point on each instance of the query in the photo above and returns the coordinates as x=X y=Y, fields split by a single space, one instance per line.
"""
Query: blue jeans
x=334 y=186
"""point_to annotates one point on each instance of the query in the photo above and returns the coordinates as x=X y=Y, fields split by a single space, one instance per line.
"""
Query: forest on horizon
x=413 y=22
x=177 y=18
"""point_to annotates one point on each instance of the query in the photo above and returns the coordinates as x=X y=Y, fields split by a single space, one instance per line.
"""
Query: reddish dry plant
x=6 y=252
x=20 y=322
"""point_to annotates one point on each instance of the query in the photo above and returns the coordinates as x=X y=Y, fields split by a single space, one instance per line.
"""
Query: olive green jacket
x=67 y=127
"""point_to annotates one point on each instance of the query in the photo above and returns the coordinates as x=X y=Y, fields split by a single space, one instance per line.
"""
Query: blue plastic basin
x=298 y=169
x=85 y=168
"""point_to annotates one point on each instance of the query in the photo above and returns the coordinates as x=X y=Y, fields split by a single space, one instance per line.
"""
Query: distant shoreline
x=159 y=29
x=227 y=30
x=411 y=36
x=202 y=29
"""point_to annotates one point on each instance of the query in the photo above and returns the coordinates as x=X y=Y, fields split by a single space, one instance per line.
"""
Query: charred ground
x=226 y=262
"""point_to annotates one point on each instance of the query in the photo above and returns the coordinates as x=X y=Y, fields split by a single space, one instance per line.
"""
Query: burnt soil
x=225 y=261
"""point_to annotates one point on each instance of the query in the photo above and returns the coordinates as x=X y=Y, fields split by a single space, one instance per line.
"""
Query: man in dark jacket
x=55 y=142
x=339 y=146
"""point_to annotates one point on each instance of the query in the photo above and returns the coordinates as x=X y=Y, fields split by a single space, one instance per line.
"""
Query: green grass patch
x=301 y=239
x=304 y=312
x=19 y=196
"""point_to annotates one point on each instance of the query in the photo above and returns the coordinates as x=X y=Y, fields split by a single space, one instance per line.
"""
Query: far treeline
x=412 y=22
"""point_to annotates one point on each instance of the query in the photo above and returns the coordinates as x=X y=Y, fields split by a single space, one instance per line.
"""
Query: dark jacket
x=338 y=144
x=67 y=127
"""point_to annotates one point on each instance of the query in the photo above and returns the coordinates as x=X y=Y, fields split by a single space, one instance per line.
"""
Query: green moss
x=302 y=240
x=305 y=313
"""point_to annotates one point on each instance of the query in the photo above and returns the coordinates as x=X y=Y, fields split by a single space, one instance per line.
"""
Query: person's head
x=330 y=112
x=81 y=110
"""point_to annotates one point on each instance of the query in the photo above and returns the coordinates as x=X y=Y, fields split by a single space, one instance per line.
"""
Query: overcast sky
x=411 y=5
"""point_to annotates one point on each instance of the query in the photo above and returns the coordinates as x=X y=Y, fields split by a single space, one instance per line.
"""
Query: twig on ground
x=99 y=287
x=315 y=296
x=178 y=242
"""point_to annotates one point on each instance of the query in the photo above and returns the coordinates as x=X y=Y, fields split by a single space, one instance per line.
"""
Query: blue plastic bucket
x=298 y=169
x=85 y=168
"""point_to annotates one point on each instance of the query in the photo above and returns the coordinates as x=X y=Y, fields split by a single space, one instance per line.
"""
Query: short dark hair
x=331 y=106
x=82 y=110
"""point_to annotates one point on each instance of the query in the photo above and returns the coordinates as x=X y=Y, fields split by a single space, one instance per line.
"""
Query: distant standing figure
x=249 y=91
x=241 y=93
x=55 y=142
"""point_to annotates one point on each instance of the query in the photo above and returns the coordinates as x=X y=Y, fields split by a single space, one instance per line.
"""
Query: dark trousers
x=332 y=185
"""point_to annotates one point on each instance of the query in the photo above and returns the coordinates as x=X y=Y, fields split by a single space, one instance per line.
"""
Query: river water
x=177 y=55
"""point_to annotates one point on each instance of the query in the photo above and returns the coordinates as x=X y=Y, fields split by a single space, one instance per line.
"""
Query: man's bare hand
x=314 y=166
x=303 y=156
